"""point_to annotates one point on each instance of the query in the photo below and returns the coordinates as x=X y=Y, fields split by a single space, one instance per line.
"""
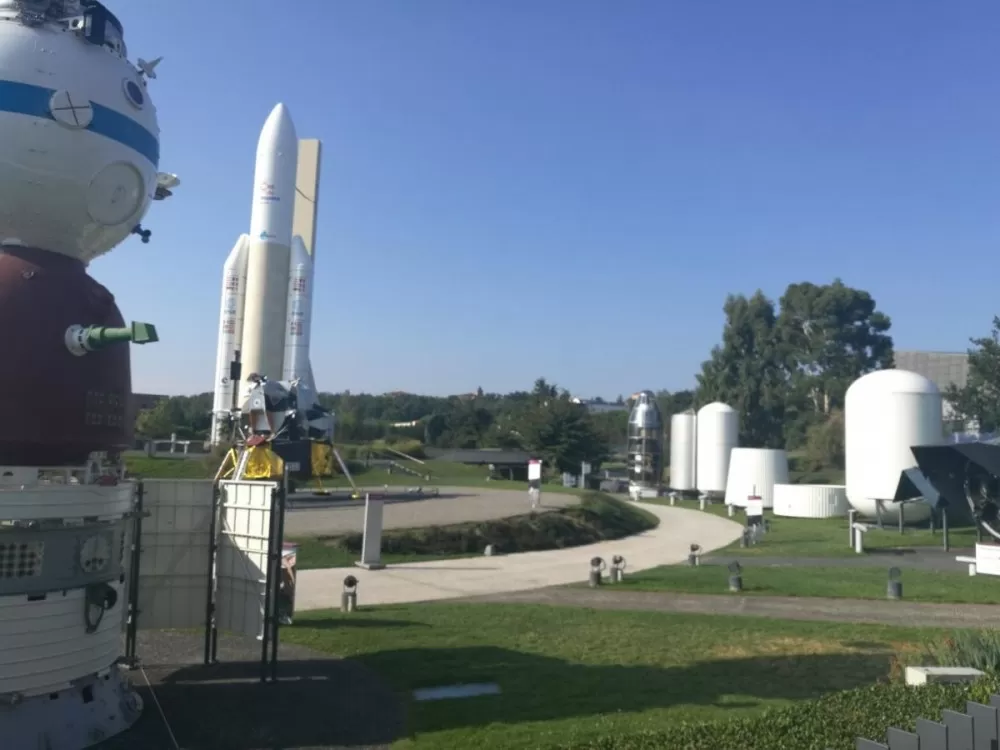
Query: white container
x=683 y=434
x=755 y=471
x=886 y=413
x=810 y=500
x=718 y=429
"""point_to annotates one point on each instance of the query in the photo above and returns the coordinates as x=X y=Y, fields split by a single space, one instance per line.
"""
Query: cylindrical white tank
x=683 y=430
x=755 y=471
x=886 y=413
x=810 y=500
x=718 y=429
x=299 y=325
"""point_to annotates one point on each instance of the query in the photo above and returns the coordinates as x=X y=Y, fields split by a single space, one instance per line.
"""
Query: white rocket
x=267 y=279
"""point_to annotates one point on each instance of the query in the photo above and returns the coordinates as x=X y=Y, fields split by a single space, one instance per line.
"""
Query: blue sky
x=570 y=188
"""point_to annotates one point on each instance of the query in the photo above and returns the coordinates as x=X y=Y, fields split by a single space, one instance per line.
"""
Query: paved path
x=779 y=607
x=914 y=559
x=453 y=505
x=450 y=579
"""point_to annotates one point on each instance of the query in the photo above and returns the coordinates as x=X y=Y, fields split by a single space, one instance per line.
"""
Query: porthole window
x=133 y=92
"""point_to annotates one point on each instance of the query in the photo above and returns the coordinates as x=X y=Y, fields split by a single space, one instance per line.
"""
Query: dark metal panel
x=986 y=724
x=959 y=730
x=900 y=740
x=933 y=736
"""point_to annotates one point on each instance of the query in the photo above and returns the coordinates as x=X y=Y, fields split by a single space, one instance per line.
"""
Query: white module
x=683 y=430
x=755 y=471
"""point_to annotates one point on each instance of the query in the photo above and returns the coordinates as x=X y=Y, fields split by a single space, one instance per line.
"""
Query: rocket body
x=269 y=256
x=267 y=280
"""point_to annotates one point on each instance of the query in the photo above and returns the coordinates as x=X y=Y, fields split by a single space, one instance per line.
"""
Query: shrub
x=834 y=721
x=979 y=649
x=599 y=517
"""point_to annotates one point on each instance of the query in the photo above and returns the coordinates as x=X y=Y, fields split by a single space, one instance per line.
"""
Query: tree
x=979 y=399
x=156 y=422
x=562 y=434
x=747 y=371
x=825 y=443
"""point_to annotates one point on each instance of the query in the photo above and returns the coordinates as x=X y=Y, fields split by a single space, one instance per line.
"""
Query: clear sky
x=570 y=188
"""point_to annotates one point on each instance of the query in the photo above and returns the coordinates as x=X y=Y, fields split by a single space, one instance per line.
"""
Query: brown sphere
x=57 y=408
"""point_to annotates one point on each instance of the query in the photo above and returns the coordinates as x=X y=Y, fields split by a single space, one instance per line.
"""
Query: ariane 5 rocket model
x=267 y=280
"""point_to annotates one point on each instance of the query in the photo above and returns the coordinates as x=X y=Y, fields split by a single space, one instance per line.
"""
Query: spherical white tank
x=683 y=430
x=718 y=429
x=78 y=162
x=887 y=412
x=755 y=471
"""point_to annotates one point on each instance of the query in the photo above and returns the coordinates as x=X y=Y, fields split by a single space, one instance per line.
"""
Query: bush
x=412 y=448
x=598 y=518
x=834 y=721
x=979 y=649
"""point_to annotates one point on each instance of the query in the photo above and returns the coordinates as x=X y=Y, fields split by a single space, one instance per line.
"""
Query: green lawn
x=571 y=675
x=839 y=583
x=827 y=537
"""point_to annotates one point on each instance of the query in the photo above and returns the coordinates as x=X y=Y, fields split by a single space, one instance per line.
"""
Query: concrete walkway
x=667 y=544
x=880 y=612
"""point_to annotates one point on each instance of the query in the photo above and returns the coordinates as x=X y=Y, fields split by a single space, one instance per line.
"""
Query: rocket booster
x=267 y=279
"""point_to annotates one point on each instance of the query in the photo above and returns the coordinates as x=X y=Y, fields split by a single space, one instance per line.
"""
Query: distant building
x=944 y=369
x=599 y=407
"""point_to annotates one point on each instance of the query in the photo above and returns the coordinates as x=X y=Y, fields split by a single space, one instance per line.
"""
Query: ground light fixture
x=617 y=569
x=694 y=556
x=735 y=576
x=894 y=587
x=597 y=567
x=349 y=597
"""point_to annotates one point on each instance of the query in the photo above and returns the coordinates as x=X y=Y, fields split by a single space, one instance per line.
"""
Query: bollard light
x=617 y=569
x=349 y=597
x=735 y=576
x=597 y=566
x=694 y=556
x=894 y=590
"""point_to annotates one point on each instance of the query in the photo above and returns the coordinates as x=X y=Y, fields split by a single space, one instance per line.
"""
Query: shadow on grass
x=537 y=688
x=331 y=703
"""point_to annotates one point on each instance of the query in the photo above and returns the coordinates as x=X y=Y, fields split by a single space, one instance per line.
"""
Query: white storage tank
x=683 y=430
x=718 y=429
x=887 y=412
x=755 y=471
x=810 y=500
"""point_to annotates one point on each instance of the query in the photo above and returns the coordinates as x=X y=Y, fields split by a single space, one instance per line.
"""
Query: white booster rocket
x=267 y=280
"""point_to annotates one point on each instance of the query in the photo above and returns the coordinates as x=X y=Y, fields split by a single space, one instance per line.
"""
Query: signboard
x=988 y=559
x=534 y=470
x=754 y=510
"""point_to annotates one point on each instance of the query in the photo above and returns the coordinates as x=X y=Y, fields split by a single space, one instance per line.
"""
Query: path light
x=597 y=566
x=349 y=599
x=617 y=569
x=895 y=588
x=735 y=576
x=694 y=556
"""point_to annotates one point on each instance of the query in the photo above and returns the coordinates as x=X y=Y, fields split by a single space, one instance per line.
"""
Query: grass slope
x=575 y=676
x=598 y=517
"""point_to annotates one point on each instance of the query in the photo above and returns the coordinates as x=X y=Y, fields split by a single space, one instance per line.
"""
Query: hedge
x=834 y=721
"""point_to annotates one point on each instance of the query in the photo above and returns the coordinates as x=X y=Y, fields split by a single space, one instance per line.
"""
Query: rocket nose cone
x=279 y=130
